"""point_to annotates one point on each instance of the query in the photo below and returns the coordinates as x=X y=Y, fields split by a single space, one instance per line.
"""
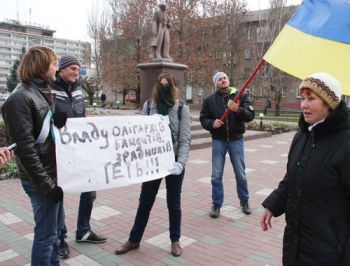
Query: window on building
x=263 y=34
x=48 y=41
x=5 y=42
x=17 y=37
x=283 y=90
x=20 y=44
x=248 y=53
x=60 y=49
x=61 y=43
x=34 y=41
x=3 y=62
x=4 y=35
x=5 y=56
x=297 y=94
x=5 y=49
x=247 y=72
x=249 y=33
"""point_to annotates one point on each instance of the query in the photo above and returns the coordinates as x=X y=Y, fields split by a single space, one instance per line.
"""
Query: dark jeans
x=148 y=195
x=85 y=208
x=46 y=217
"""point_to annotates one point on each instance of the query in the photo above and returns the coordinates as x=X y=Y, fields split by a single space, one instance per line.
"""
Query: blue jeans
x=46 y=215
x=235 y=149
x=84 y=214
x=148 y=195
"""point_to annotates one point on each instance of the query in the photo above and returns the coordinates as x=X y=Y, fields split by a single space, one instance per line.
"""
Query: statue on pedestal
x=161 y=39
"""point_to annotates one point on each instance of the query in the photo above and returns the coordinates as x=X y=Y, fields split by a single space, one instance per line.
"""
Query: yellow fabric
x=300 y=55
x=233 y=90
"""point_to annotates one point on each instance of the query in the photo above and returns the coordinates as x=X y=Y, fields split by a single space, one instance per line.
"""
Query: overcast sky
x=69 y=17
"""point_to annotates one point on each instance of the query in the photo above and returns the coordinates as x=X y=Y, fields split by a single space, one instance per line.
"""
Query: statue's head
x=162 y=6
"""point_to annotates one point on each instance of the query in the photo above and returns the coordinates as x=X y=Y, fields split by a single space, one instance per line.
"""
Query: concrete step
x=200 y=138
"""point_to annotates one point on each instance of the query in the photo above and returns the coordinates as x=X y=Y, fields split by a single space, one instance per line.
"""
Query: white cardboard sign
x=95 y=153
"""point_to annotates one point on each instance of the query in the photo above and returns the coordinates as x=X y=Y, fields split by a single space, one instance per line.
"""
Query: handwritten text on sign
x=95 y=153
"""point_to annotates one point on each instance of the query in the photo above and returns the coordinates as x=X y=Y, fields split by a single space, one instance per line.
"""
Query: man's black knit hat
x=68 y=60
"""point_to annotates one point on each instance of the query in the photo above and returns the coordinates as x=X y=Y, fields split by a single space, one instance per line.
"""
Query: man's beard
x=225 y=91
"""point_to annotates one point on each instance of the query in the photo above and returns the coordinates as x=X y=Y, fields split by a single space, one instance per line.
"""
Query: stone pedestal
x=150 y=72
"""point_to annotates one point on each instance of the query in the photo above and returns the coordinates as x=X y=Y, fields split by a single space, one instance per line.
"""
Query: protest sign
x=95 y=153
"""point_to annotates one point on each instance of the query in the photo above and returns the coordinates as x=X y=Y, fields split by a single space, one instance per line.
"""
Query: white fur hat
x=325 y=86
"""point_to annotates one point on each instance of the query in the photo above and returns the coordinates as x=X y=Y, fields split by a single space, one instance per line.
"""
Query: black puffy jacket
x=215 y=105
x=315 y=194
x=23 y=113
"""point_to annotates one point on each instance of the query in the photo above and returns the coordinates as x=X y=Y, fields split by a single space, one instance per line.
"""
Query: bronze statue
x=161 y=39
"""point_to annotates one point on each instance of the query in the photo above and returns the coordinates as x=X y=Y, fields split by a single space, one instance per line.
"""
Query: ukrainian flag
x=315 y=39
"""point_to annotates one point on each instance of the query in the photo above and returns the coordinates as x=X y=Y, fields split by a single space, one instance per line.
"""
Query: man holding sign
x=69 y=102
x=164 y=102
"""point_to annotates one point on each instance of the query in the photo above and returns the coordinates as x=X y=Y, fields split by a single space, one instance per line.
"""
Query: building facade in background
x=14 y=36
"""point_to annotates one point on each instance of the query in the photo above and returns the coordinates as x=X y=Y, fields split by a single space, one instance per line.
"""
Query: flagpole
x=243 y=88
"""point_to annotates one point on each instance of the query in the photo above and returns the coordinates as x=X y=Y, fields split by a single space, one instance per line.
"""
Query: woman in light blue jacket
x=164 y=102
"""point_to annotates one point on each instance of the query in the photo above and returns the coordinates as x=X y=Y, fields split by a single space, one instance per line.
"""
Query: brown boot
x=176 y=250
x=125 y=248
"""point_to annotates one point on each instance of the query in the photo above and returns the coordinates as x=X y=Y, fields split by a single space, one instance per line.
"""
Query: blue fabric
x=46 y=215
x=328 y=19
x=85 y=208
x=148 y=195
x=235 y=148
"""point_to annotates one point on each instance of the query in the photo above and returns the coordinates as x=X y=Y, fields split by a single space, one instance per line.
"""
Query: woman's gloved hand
x=176 y=169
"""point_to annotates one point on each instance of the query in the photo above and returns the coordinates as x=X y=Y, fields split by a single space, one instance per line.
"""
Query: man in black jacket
x=227 y=136
x=69 y=102
x=27 y=114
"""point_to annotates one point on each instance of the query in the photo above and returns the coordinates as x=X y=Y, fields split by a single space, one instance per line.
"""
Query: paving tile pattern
x=231 y=239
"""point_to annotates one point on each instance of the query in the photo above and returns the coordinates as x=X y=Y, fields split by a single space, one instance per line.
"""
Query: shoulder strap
x=179 y=110
x=148 y=105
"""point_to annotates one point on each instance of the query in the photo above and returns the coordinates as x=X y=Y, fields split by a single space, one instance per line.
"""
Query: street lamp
x=261 y=119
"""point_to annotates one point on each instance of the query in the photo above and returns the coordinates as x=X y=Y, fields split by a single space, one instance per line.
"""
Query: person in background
x=5 y=155
x=227 y=136
x=103 y=99
x=164 y=102
x=314 y=194
x=27 y=116
x=69 y=103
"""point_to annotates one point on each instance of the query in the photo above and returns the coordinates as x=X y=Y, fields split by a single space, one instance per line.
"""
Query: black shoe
x=245 y=207
x=215 y=211
x=91 y=237
x=63 y=249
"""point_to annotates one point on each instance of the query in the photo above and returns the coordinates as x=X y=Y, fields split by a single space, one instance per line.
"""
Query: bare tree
x=97 y=27
x=128 y=45
x=90 y=86
x=270 y=25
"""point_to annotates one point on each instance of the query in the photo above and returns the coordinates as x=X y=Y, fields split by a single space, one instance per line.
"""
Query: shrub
x=9 y=170
x=272 y=126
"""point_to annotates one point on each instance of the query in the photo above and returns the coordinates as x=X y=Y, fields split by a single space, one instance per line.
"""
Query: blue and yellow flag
x=315 y=39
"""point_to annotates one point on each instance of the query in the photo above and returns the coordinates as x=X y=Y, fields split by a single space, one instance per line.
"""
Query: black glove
x=56 y=194
x=59 y=119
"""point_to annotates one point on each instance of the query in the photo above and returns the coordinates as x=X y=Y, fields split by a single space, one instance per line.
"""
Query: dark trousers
x=148 y=195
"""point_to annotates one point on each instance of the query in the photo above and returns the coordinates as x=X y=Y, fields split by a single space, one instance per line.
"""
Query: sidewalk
x=232 y=239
